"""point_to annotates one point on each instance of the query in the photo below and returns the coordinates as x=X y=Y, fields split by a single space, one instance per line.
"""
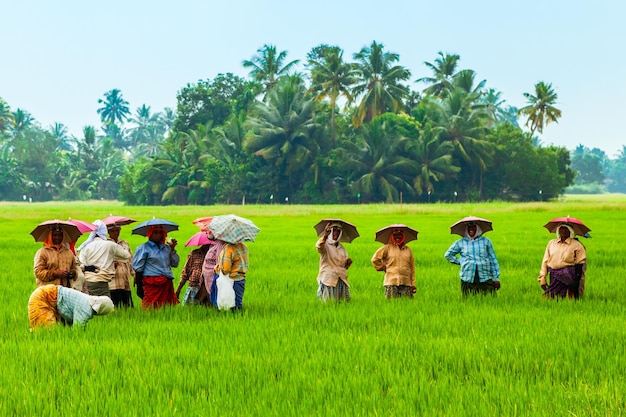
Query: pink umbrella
x=579 y=227
x=119 y=220
x=199 y=239
x=83 y=226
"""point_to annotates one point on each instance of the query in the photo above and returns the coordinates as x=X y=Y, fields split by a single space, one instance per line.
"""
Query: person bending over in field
x=334 y=263
x=50 y=304
x=397 y=261
x=565 y=259
x=480 y=271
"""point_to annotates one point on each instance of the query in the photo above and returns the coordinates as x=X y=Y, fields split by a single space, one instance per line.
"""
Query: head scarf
x=151 y=230
x=330 y=236
x=392 y=240
x=478 y=231
x=101 y=304
x=48 y=241
x=571 y=231
x=101 y=232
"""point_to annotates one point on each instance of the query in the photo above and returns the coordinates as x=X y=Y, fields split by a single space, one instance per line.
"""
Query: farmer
x=480 y=271
x=233 y=262
x=98 y=255
x=208 y=267
x=50 y=304
x=153 y=264
x=55 y=263
x=120 y=284
x=565 y=259
x=334 y=263
x=396 y=260
x=192 y=273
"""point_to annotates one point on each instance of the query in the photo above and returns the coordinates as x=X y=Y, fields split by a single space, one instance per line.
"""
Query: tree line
x=327 y=130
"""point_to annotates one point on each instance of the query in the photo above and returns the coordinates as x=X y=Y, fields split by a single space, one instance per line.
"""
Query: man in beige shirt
x=565 y=260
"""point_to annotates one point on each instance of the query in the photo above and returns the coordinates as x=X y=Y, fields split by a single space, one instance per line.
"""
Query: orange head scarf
x=151 y=230
x=48 y=242
x=397 y=242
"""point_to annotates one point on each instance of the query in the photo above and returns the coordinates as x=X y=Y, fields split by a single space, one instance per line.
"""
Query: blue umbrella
x=142 y=228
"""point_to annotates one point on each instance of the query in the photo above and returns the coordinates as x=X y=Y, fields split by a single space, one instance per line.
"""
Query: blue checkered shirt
x=475 y=254
x=74 y=306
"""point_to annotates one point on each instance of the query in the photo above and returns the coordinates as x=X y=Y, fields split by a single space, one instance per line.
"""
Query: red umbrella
x=459 y=227
x=41 y=232
x=119 y=220
x=383 y=234
x=199 y=239
x=83 y=226
x=579 y=227
x=203 y=222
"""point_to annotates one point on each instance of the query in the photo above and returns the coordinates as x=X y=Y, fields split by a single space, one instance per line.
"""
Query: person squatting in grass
x=98 y=255
x=55 y=263
x=397 y=261
x=565 y=259
x=50 y=304
x=233 y=262
x=153 y=262
x=334 y=263
x=480 y=271
x=192 y=273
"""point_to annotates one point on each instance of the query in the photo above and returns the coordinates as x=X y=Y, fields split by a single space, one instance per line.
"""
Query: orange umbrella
x=203 y=222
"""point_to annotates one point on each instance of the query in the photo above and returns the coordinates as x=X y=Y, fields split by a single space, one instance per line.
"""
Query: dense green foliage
x=338 y=131
x=288 y=354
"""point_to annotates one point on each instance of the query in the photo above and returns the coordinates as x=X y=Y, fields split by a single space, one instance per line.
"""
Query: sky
x=59 y=57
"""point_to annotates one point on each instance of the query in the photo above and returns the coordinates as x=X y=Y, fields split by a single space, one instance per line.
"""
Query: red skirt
x=158 y=291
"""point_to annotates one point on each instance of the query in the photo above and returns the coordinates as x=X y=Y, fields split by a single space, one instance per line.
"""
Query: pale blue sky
x=60 y=57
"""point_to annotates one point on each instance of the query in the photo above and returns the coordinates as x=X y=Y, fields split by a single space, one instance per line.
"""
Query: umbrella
x=460 y=226
x=199 y=239
x=348 y=230
x=41 y=232
x=233 y=229
x=119 y=220
x=203 y=222
x=579 y=227
x=383 y=234
x=142 y=228
x=83 y=227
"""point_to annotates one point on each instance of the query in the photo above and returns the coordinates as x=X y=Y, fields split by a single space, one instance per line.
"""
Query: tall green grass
x=289 y=354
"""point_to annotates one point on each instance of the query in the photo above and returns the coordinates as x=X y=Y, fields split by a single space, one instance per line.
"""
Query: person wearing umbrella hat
x=334 y=263
x=153 y=262
x=397 y=261
x=565 y=259
x=120 y=284
x=55 y=263
x=480 y=271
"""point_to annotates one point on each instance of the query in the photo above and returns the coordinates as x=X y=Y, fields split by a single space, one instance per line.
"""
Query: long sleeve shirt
x=123 y=269
x=102 y=254
x=192 y=271
x=49 y=259
x=210 y=261
x=398 y=264
x=155 y=259
x=233 y=261
x=333 y=259
x=74 y=306
x=561 y=254
x=474 y=254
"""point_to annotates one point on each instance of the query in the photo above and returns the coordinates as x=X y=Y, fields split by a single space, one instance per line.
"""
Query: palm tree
x=114 y=107
x=540 y=110
x=379 y=168
x=59 y=131
x=378 y=83
x=268 y=65
x=331 y=78
x=444 y=70
x=281 y=128
x=6 y=117
x=22 y=120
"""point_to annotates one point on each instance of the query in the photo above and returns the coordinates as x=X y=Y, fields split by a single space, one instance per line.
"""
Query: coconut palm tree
x=268 y=65
x=331 y=77
x=444 y=70
x=6 y=118
x=540 y=110
x=378 y=83
x=114 y=107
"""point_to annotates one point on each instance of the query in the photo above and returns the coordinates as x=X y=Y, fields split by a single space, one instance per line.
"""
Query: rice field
x=289 y=354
